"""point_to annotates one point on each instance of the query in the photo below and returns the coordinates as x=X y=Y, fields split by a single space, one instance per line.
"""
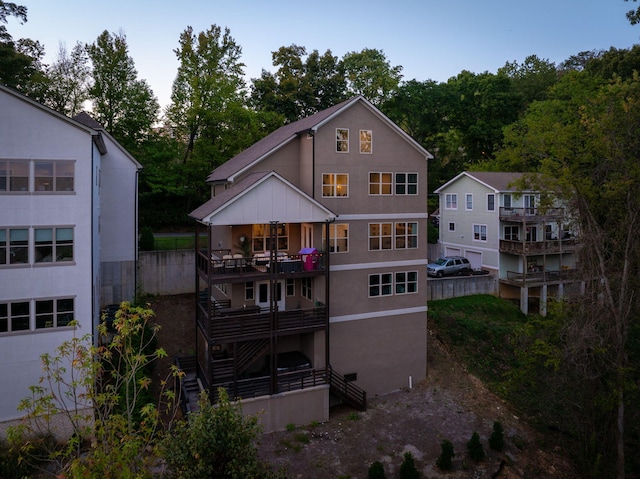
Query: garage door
x=475 y=259
x=452 y=251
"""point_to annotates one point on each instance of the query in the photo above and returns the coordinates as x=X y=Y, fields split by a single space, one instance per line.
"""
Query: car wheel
x=439 y=274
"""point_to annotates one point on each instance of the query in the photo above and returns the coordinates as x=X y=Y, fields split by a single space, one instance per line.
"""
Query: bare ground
x=448 y=404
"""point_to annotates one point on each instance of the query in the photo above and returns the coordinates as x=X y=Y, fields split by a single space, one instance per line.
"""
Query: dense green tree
x=531 y=78
x=301 y=86
x=69 y=79
x=122 y=103
x=370 y=74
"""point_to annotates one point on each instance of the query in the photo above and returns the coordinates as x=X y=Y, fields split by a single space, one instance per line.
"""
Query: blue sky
x=431 y=39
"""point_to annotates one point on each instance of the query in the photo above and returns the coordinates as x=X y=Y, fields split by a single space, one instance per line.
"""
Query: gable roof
x=228 y=171
x=262 y=197
x=498 y=181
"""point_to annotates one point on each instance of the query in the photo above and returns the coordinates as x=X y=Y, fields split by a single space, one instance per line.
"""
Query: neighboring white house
x=484 y=217
x=68 y=234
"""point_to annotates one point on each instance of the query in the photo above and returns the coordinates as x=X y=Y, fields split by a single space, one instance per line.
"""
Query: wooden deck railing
x=540 y=277
x=347 y=391
x=538 y=247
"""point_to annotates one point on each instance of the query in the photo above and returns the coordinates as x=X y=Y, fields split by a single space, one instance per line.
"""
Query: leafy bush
x=408 y=468
x=147 y=240
x=475 y=448
x=445 y=460
x=376 y=471
x=496 y=440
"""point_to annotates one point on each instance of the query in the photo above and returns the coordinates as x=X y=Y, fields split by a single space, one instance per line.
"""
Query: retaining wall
x=445 y=288
x=167 y=272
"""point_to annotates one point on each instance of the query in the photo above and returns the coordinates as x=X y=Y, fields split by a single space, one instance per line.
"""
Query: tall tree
x=124 y=105
x=369 y=73
x=532 y=78
x=69 y=79
x=585 y=139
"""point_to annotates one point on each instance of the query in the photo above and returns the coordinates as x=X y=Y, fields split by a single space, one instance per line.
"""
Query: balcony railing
x=242 y=324
x=540 y=277
x=531 y=215
x=538 y=247
x=223 y=264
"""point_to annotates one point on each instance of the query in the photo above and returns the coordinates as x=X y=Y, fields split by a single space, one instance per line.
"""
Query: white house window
x=14 y=175
x=14 y=246
x=342 y=140
x=491 y=202
x=365 y=141
x=14 y=316
x=406 y=282
x=53 y=245
x=380 y=236
x=335 y=185
x=406 y=235
x=506 y=199
x=469 y=202
x=380 y=284
x=530 y=204
x=511 y=233
x=53 y=176
x=305 y=284
x=452 y=226
x=406 y=183
x=380 y=183
x=54 y=313
x=451 y=201
x=338 y=238
x=480 y=232
x=261 y=235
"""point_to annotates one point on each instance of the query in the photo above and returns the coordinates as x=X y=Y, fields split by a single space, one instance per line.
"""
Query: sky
x=430 y=39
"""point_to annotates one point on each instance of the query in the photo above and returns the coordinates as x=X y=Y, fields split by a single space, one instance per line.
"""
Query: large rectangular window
x=338 y=238
x=14 y=316
x=53 y=245
x=305 y=285
x=480 y=232
x=380 y=236
x=406 y=183
x=261 y=234
x=406 y=282
x=406 y=235
x=53 y=175
x=342 y=140
x=380 y=284
x=506 y=199
x=451 y=201
x=366 y=141
x=14 y=246
x=335 y=185
x=469 y=202
x=380 y=183
x=491 y=202
x=14 y=175
x=54 y=313
x=511 y=233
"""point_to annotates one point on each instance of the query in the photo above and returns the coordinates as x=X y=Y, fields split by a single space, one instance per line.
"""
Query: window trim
x=406 y=183
x=452 y=226
x=342 y=140
x=381 y=237
x=481 y=227
x=491 y=205
x=380 y=184
x=407 y=236
x=33 y=178
x=334 y=185
x=54 y=245
x=381 y=285
x=407 y=282
x=468 y=202
x=331 y=244
x=365 y=142
x=449 y=200
x=32 y=316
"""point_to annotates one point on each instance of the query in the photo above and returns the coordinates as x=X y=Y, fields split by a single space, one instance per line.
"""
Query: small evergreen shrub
x=147 y=240
x=376 y=471
x=408 y=468
x=496 y=440
x=445 y=460
x=475 y=448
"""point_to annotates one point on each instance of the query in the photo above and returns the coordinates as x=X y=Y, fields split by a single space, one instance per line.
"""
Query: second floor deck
x=531 y=215
x=549 y=246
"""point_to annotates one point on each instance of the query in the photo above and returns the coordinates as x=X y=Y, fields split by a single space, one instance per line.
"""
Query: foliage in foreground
x=445 y=459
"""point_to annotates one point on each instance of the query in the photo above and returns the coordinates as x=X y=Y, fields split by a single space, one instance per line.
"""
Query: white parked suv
x=449 y=265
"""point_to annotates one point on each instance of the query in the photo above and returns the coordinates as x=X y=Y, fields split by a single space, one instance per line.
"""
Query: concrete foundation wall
x=296 y=407
x=461 y=286
x=117 y=282
x=166 y=272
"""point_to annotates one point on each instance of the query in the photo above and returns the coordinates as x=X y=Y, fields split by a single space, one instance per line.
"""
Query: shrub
x=147 y=240
x=475 y=447
x=445 y=460
x=496 y=440
x=376 y=471
x=408 y=468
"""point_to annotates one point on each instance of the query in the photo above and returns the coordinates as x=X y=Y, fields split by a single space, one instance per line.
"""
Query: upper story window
x=14 y=246
x=406 y=282
x=14 y=316
x=306 y=288
x=452 y=226
x=506 y=199
x=47 y=313
x=380 y=284
x=380 y=183
x=366 y=141
x=338 y=238
x=480 y=232
x=406 y=183
x=261 y=235
x=468 y=202
x=406 y=235
x=53 y=245
x=451 y=201
x=49 y=176
x=491 y=202
x=335 y=185
x=511 y=233
x=54 y=313
x=342 y=140
x=380 y=236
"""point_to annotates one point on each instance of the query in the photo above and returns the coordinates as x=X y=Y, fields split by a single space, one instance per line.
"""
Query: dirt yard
x=449 y=404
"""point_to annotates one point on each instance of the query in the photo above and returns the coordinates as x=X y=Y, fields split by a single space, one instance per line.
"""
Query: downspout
x=312 y=132
x=327 y=298
x=136 y=236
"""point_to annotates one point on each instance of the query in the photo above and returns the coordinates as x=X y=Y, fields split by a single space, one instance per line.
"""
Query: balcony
x=550 y=246
x=539 y=277
x=531 y=215
x=223 y=267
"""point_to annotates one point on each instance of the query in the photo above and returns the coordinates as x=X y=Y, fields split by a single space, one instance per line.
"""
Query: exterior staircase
x=346 y=391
